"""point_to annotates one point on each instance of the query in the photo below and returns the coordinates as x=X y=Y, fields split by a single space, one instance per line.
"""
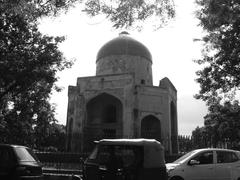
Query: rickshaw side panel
x=153 y=155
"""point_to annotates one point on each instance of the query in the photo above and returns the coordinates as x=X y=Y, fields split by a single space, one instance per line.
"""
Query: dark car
x=19 y=163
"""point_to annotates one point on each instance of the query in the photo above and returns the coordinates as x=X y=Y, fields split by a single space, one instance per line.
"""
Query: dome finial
x=123 y=33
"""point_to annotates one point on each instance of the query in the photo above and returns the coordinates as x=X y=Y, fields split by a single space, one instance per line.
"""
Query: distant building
x=121 y=101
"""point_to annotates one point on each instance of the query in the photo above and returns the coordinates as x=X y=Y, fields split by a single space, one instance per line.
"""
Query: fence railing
x=72 y=161
x=61 y=162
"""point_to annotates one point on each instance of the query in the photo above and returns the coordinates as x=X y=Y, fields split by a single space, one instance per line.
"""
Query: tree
x=53 y=138
x=27 y=57
x=28 y=65
x=200 y=138
x=220 y=77
x=31 y=10
x=226 y=121
x=122 y=13
x=125 y=14
x=185 y=143
x=221 y=125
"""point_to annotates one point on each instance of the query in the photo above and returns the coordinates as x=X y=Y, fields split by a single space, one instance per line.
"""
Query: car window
x=25 y=154
x=204 y=157
x=185 y=156
x=226 y=157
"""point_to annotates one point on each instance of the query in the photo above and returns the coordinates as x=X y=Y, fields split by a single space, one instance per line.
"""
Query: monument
x=121 y=101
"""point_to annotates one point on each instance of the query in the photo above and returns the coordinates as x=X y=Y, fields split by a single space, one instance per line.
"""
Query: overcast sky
x=172 y=48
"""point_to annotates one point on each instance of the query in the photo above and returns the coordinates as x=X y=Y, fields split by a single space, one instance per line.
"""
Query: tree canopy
x=27 y=57
x=34 y=9
x=131 y=13
x=221 y=126
x=121 y=13
x=220 y=77
x=29 y=62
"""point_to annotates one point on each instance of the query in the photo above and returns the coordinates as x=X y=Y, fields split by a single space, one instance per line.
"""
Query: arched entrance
x=174 y=134
x=151 y=128
x=104 y=118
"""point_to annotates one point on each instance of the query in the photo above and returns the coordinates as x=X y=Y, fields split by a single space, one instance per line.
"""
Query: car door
x=203 y=169
x=226 y=163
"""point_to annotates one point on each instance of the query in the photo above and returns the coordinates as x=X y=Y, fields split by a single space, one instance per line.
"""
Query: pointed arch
x=151 y=128
x=104 y=108
x=104 y=117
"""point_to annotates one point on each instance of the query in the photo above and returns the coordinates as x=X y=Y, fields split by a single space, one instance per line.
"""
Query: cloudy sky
x=172 y=48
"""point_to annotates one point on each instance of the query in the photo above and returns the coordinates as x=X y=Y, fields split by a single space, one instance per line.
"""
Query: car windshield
x=25 y=154
x=182 y=159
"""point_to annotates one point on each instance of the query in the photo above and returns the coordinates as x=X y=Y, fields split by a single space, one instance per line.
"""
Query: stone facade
x=121 y=101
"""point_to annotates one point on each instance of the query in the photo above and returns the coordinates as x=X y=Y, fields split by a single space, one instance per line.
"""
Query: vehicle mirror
x=193 y=162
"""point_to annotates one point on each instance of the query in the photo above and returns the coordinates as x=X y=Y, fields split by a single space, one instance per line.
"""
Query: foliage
x=220 y=77
x=200 y=138
x=185 y=143
x=34 y=9
x=125 y=14
x=122 y=13
x=29 y=62
x=222 y=124
x=53 y=138
x=27 y=57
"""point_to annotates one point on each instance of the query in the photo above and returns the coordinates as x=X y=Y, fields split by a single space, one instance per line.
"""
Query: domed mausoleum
x=121 y=101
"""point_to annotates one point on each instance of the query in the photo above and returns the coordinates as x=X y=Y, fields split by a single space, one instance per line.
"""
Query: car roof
x=215 y=149
x=12 y=145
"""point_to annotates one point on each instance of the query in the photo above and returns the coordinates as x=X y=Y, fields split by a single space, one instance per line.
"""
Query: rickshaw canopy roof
x=135 y=142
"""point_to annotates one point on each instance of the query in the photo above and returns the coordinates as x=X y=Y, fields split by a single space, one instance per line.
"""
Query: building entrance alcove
x=151 y=128
x=104 y=116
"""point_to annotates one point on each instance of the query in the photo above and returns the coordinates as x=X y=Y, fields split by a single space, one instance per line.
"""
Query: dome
x=124 y=45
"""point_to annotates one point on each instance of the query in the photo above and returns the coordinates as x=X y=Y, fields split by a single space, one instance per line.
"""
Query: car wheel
x=176 y=178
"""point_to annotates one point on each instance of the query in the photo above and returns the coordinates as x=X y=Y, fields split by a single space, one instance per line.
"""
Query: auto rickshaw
x=126 y=159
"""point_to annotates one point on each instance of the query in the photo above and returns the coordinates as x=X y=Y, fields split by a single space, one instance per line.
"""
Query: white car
x=206 y=164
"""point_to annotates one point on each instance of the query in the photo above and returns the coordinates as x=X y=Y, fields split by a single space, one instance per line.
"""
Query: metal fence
x=72 y=161
x=61 y=162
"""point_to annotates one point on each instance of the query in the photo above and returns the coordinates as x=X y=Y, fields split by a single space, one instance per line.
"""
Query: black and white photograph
x=119 y=90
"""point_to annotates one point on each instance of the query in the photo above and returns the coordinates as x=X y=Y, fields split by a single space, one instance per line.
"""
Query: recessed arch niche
x=104 y=113
x=151 y=128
